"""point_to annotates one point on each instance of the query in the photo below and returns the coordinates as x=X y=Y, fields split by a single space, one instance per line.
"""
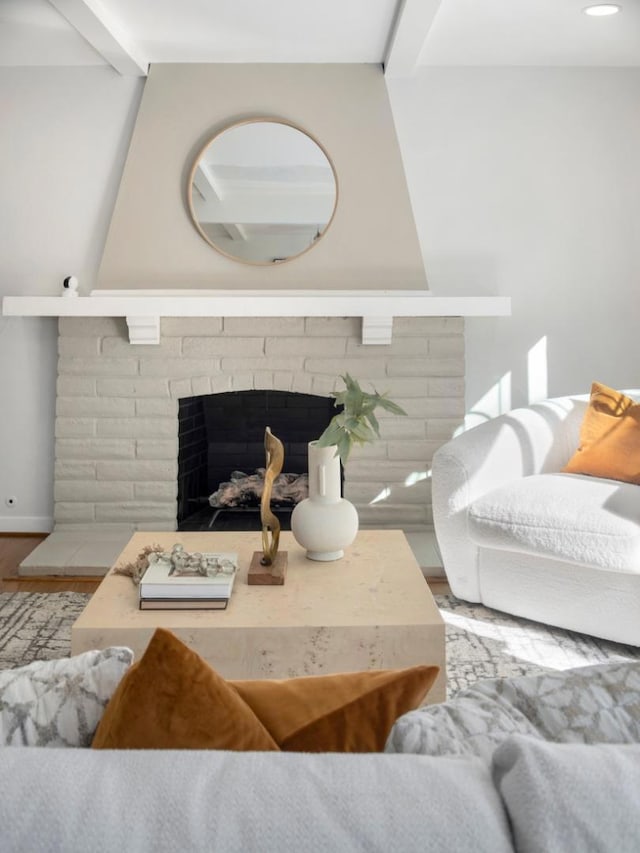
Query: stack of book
x=160 y=589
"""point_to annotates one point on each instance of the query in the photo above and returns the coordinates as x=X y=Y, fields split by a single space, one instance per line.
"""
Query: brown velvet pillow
x=609 y=437
x=173 y=699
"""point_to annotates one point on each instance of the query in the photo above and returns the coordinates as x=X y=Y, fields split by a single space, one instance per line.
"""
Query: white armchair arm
x=525 y=441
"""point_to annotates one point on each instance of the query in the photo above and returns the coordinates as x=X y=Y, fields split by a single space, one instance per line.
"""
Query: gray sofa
x=540 y=763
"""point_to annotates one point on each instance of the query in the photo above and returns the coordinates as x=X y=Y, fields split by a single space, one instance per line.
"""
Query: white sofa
x=521 y=537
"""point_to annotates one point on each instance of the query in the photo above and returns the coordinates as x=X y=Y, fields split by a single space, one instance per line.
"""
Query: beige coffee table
x=370 y=610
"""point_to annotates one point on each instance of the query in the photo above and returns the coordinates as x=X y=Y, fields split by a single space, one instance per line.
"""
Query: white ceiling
x=402 y=34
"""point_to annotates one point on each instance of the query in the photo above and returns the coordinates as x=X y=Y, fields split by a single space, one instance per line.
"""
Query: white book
x=159 y=582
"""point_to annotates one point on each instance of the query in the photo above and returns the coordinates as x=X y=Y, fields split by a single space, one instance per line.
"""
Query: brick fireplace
x=117 y=407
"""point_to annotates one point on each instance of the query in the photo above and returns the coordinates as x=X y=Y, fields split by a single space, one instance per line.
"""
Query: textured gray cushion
x=152 y=801
x=591 y=704
x=59 y=702
x=570 y=797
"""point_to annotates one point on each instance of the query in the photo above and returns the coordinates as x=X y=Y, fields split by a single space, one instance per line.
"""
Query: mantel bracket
x=144 y=330
x=377 y=330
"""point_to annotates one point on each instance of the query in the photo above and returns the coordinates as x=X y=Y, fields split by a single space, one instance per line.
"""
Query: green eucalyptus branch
x=356 y=423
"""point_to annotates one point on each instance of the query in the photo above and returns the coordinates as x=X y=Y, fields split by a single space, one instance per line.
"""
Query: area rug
x=481 y=643
x=484 y=643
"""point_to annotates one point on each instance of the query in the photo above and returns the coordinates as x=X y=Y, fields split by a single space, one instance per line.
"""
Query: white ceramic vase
x=324 y=523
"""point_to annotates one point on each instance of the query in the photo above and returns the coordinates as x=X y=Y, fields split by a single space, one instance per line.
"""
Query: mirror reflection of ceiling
x=262 y=192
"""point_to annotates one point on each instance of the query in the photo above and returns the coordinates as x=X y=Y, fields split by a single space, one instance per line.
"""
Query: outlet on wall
x=11 y=501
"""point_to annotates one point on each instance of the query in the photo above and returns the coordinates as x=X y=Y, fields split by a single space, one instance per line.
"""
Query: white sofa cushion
x=570 y=796
x=570 y=517
x=152 y=801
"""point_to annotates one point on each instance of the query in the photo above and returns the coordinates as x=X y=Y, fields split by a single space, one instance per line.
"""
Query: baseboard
x=26 y=524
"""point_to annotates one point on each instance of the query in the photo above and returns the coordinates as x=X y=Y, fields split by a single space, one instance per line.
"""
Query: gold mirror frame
x=198 y=178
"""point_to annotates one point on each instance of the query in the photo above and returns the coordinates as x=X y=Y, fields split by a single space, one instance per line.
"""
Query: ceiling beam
x=410 y=31
x=104 y=34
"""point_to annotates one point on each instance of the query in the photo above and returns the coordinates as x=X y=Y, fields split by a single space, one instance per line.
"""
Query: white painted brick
x=76 y=386
x=73 y=512
x=388 y=494
x=135 y=511
x=400 y=427
x=156 y=492
x=443 y=428
x=200 y=386
x=302 y=383
x=98 y=407
x=178 y=368
x=389 y=471
x=305 y=346
x=242 y=381
x=220 y=383
x=94 y=448
x=427 y=326
x=222 y=346
x=324 y=386
x=87 y=327
x=411 y=346
x=66 y=469
x=180 y=388
x=119 y=348
x=98 y=366
x=138 y=470
x=446 y=387
x=412 y=449
x=74 y=427
x=263 y=326
x=233 y=365
x=283 y=381
x=424 y=407
x=112 y=527
x=362 y=369
x=263 y=380
x=426 y=367
x=157 y=449
x=396 y=387
x=362 y=493
x=444 y=347
x=69 y=490
x=331 y=327
x=376 y=450
x=169 y=526
x=137 y=427
x=180 y=326
x=163 y=408
x=137 y=387
x=74 y=347
x=381 y=516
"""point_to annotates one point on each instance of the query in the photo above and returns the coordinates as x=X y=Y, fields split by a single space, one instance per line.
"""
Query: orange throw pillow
x=173 y=699
x=609 y=437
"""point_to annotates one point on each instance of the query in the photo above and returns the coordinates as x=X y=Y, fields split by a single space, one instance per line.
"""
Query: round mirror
x=262 y=191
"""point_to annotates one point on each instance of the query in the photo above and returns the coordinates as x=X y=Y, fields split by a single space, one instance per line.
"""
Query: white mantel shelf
x=144 y=308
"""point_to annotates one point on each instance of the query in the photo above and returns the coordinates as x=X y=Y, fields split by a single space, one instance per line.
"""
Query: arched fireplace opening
x=220 y=435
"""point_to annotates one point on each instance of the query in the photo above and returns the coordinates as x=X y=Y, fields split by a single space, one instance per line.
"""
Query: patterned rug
x=481 y=643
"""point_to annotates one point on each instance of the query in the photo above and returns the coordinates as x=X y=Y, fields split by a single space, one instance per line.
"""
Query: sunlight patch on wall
x=537 y=373
x=495 y=402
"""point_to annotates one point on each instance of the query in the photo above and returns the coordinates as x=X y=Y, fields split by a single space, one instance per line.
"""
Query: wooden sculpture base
x=272 y=575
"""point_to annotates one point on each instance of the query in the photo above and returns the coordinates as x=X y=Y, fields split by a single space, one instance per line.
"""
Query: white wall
x=64 y=140
x=526 y=183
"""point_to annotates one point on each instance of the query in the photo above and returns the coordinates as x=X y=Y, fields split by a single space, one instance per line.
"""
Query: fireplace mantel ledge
x=144 y=308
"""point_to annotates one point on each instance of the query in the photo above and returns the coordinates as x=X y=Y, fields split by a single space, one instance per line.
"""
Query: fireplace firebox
x=222 y=434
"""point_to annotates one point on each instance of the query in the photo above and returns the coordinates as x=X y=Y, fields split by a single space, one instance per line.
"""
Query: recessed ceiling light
x=602 y=9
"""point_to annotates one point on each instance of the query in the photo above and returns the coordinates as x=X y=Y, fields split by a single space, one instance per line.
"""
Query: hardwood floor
x=13 y=549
